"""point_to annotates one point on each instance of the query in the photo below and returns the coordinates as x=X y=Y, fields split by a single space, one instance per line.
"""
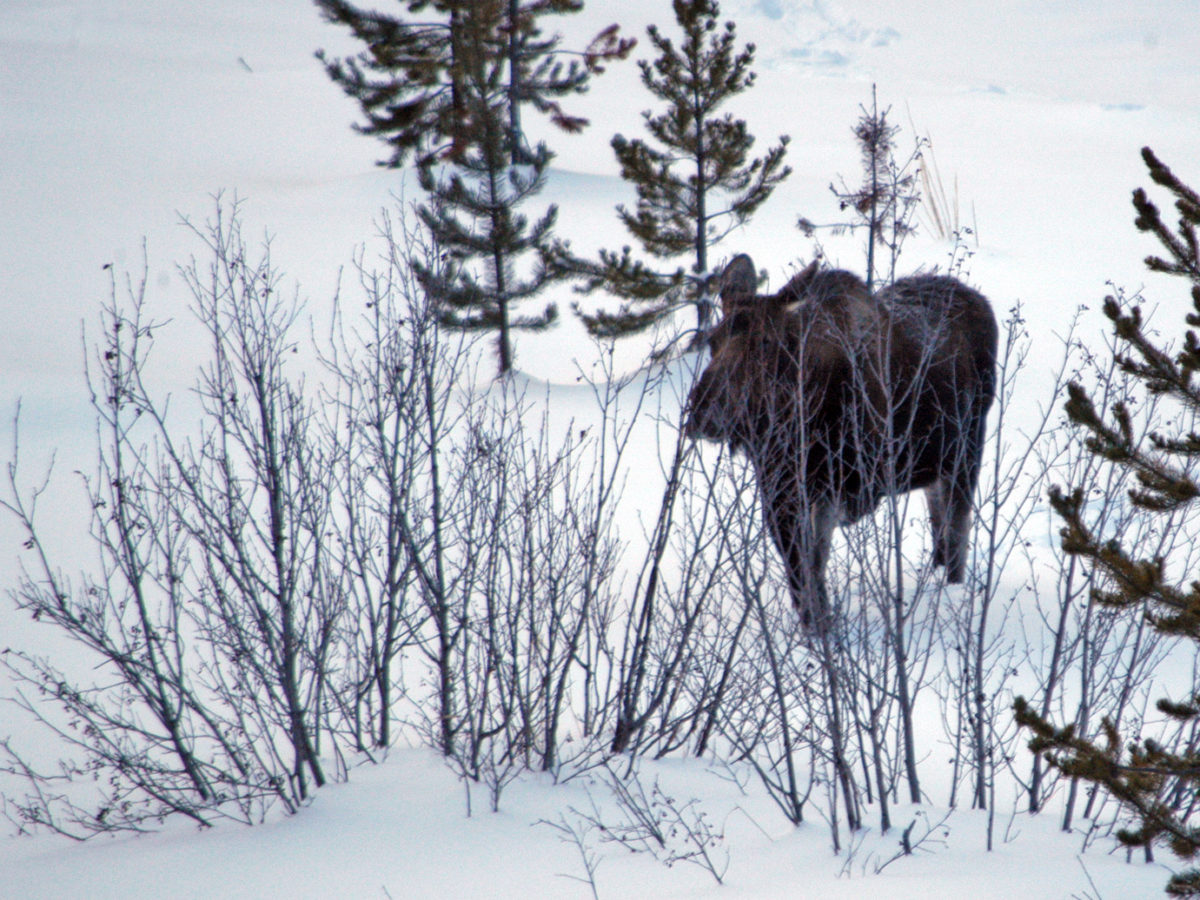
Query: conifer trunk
x=702 y=309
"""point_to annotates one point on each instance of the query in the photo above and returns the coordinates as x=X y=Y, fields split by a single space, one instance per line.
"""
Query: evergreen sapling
x=695 y=180
x=450 y=93
x=1157 y=782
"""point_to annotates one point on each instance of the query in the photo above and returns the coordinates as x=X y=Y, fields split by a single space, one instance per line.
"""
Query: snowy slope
x=399 y=830
x=118 y=116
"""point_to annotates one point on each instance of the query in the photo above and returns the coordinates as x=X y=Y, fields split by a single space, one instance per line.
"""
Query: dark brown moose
x=839 y=398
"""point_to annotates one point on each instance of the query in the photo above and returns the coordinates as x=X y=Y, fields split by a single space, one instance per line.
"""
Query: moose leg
x=960 y=497
x=935 y=499
x=957 y=530
x=822 y=518
x=949 y=502
x=803 y=538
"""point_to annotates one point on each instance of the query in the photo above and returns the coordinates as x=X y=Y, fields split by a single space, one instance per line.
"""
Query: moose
x=839 y=397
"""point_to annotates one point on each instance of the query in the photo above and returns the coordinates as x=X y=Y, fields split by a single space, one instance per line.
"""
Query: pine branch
x=1137 y=775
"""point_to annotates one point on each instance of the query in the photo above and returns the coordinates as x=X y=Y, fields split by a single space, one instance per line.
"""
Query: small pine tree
x=1138 y=775
x=451 y=93
x=698 y=187
x=886 y=201
x=473 y=210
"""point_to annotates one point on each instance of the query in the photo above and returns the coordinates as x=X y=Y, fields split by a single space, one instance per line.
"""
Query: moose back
x=839 y=397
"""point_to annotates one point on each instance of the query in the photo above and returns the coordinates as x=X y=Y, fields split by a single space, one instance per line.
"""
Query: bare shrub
x=212 y=613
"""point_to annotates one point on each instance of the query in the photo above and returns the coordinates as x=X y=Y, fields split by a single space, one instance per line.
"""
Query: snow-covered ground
x=399 y=830
x=119 y=116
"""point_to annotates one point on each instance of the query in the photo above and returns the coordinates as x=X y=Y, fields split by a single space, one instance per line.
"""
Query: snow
x=119 y=116
x=399 y=829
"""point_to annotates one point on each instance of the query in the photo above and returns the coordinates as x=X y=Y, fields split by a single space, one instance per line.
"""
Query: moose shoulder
x=839 y=397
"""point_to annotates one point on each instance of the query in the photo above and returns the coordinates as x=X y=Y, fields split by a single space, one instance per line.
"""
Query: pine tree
x=473 y=215
x=451 y=92
x=473 y=206
x=1144 y=775
x=409 y=79
x=696 y=185
x=886 y=201
x=405 y=81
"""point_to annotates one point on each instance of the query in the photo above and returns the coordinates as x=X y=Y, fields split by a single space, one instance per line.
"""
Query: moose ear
x=739 y=282
x=796 y=289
